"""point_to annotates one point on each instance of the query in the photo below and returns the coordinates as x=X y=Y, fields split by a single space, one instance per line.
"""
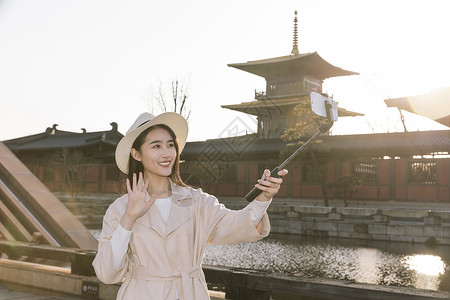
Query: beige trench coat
x=163 y=259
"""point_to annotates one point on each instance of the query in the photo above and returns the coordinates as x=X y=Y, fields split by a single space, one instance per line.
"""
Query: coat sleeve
x=225 y=226
x=103 y=262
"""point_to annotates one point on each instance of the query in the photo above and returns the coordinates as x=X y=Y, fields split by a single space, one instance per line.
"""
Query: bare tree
x=170 y=97
x=386 y=122
x=71 y=162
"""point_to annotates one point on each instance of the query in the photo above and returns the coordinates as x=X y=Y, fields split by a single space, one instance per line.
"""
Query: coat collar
x=180 y=212
x=178 y=192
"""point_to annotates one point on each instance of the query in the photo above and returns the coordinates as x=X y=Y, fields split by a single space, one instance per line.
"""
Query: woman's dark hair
x=135 y=166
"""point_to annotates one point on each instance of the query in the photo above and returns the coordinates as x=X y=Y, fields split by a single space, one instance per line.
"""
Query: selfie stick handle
x=255 y=191
x=274 y=173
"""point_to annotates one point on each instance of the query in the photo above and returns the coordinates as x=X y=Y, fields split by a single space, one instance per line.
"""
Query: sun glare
x=426 y=264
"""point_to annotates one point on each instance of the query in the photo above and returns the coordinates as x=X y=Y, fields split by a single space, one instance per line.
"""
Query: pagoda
x=289 y=80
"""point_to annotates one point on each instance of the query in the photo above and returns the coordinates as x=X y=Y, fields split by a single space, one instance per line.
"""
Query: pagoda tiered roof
x=307 y=63
x=255 y=107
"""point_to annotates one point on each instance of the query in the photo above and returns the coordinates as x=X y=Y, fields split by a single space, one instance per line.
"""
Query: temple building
x=289 y=80
x=71 y=161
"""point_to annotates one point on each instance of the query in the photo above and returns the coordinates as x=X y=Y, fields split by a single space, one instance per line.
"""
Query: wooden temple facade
x=71 y=162
x=402 y=166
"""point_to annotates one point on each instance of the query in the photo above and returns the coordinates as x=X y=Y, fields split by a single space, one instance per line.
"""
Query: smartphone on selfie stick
x=321 y=105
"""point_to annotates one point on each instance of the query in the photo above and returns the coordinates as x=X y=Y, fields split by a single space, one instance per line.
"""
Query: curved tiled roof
x=248 y=146
x=53 y=138
x=357 y=145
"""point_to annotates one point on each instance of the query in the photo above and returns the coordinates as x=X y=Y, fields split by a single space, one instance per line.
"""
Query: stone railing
x=387 y=224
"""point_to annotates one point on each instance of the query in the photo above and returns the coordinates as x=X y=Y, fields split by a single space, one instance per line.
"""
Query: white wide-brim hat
x=174 y=121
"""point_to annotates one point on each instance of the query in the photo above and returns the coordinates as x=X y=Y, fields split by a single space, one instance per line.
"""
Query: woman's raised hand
x=139 y=201
x=269 y=185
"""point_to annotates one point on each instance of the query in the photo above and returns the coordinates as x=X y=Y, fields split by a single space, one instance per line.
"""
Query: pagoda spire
x=295 y=45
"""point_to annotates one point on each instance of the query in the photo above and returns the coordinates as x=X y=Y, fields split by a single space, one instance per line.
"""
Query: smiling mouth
x=164 y=164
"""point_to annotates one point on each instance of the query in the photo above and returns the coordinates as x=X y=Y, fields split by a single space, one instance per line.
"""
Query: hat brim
x=173 y=120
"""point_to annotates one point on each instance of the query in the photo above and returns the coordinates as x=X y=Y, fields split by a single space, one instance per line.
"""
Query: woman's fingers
x=283 y=172
x=265 y=178
x=269 y=181
x=146 y=184
x=264 y=182
x=139 y=187
x=134 y=181
x=271 y=185
x=265 y=174
x=141 y=182
x=128 y=186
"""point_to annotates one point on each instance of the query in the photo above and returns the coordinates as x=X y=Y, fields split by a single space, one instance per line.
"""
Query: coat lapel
x=179 y=192
x=153 y=220
x=180 y=212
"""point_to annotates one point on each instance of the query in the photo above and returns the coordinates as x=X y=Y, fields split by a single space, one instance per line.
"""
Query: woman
x=154 y=237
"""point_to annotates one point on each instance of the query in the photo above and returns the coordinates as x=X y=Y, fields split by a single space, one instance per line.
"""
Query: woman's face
x=157 y=153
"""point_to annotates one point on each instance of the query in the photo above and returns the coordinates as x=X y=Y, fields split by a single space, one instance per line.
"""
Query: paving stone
x=345 y=227
x=314 y=209
x=377 y=229
x=405 y=213
x=335 y=217
x=437 y=232
x=414 y=231
x=357 y=211
x=381 y=219
x=328 y=226
x=395 y=229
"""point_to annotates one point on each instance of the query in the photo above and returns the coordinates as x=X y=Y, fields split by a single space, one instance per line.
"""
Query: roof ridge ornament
x=53 y=130
x=114 y=126
x=295 y=43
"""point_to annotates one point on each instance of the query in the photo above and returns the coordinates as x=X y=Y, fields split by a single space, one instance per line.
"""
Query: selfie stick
x=274 y=173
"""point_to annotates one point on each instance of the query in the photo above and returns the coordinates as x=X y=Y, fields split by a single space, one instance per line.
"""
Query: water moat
x=383 y=263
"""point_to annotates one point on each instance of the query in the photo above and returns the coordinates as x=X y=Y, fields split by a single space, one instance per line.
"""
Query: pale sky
x=87 y=63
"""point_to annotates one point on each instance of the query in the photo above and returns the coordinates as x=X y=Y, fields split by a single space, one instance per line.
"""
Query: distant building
x=396 y=166
x=71 y=161
x=401 y=166
x=289 y=80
